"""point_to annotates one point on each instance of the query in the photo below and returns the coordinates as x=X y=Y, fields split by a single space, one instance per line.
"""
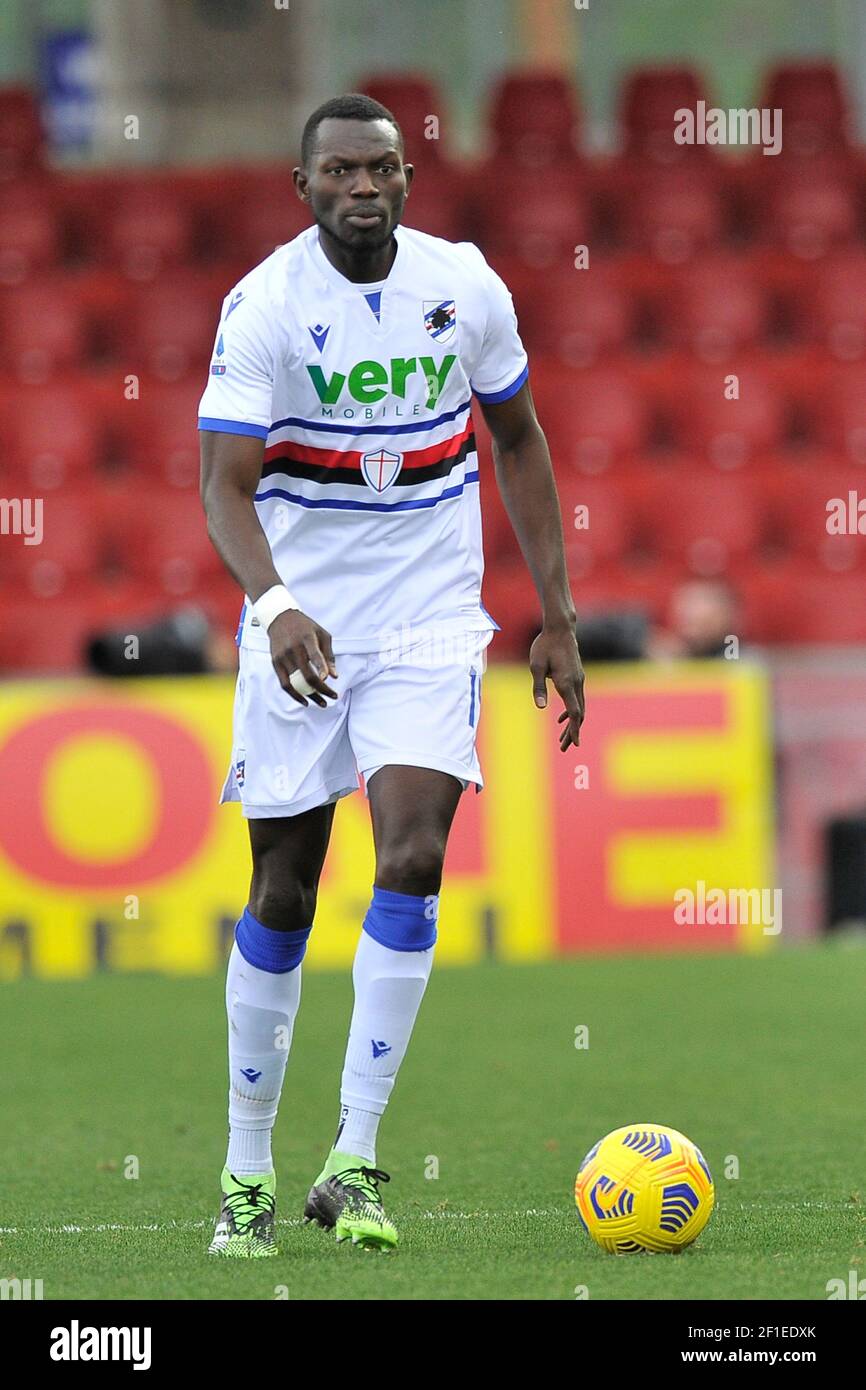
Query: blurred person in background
x=703 y=616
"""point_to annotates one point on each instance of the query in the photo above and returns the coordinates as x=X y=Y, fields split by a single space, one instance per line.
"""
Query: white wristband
x=272 y=603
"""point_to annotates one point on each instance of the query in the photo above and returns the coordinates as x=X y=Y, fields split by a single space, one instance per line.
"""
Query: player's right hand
x=299 y=644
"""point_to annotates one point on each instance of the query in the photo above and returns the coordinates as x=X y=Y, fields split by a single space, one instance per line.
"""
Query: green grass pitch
x=756 y=1058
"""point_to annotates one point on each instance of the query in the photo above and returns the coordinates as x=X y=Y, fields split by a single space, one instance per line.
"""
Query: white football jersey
x=369 y=492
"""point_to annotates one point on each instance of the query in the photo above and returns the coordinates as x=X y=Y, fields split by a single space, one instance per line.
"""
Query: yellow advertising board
x=115 y=854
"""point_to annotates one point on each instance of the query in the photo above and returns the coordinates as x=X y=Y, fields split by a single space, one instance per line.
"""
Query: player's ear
x=409 y=174
x=302 y=184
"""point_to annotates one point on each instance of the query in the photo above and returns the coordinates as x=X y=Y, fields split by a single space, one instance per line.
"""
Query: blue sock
x=402 y=921
x=266 y=949
x=263 y=994
x=392 y=966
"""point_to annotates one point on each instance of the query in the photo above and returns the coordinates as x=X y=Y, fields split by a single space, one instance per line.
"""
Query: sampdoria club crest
x=440 y=319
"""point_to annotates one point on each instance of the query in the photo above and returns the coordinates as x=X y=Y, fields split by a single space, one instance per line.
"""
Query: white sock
x=389 y=987
x=261 y=1008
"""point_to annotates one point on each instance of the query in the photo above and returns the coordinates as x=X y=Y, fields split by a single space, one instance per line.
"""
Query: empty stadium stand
x=702 y=381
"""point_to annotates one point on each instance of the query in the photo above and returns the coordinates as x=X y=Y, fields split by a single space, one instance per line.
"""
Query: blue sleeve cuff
x=491 y=397
x=232 y=427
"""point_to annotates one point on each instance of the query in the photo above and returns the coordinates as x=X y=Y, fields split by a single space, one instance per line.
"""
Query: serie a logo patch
x=218 y=368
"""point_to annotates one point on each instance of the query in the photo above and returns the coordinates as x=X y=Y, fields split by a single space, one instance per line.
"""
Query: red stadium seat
x=437 y=203
x=55 y=435
x=159 y=432
x=534 y=118
x=138 y=225
x=802 y=378
x=673 y=213
x=72 y=544
x=413 y=99
x=727 y=432
x=21 y=133
x=161 y=535
x=604 y=531
x=592 y=419
x=102 y=297
x=86 y=200
x=840 y=405
x=714 y=306
x=39 y=637
x=795 y=603
x=171 y=325
x=785 y=284
x=202 y=192
x=827 y=608
x=221 y=602
x=30 y=238
x=801 y=501
x=617 y=587
x=129 y=603
x=835 y=305
x=43 y=330
x=541 y=224
x=707 y=522
x=810 y=211
x=45 y=638
x=764 y=599
x=576 y=315
x=146 y=229
x=261 y=212
x=596 y=520
x=815 y=110
x=649 y=100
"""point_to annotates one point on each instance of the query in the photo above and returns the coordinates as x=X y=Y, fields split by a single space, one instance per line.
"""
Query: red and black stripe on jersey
x=326 y=466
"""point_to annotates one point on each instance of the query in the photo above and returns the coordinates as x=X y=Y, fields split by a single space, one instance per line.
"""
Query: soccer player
x=340 y=483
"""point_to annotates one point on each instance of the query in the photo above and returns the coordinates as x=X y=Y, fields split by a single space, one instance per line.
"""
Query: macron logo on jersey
x=369 y=381
x=319 y=335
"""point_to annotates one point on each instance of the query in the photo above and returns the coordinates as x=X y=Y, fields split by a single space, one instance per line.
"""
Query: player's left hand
x=554 y=655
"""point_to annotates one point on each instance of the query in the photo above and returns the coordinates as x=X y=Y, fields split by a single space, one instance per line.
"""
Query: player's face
x=356 y=182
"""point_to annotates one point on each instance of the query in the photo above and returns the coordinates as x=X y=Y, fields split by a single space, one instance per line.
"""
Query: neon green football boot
x=346 y=1196
x=245 y=1227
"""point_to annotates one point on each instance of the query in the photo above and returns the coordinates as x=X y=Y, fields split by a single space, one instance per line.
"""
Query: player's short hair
x=354 y=106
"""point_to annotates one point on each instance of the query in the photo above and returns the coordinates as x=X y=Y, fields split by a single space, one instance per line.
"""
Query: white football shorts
x=417 y=706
